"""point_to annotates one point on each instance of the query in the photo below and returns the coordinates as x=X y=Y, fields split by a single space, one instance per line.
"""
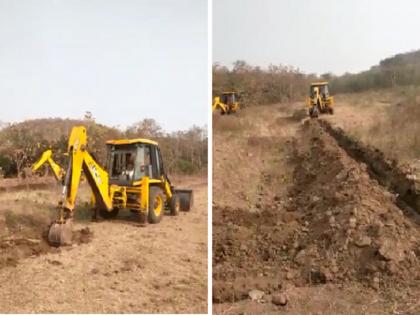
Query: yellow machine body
x=319 y=99
x=133 y=178
x=226 y=103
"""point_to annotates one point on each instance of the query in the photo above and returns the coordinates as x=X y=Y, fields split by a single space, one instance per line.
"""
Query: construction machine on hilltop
x=226 y=103
x=134 y=178
x=319 y=99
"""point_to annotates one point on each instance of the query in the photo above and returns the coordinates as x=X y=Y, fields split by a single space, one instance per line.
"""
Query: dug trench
x=336 y=223
x=27 y=208
x=398 y=179
x=28 y=239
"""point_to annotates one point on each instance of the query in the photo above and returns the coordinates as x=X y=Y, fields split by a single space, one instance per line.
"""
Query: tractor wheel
x=175 y=204
x=108 y=214
x=156 y=205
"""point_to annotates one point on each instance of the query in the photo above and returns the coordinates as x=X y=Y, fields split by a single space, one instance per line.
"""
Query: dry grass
x=385 y=119
x=399 y=136
x=234 y=123
x=166 y=262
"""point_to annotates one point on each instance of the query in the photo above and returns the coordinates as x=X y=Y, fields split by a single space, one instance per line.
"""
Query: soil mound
x=336 y=224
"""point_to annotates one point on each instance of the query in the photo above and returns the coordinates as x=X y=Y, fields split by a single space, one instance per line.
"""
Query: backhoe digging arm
x=79 y=159
x=218 y=104
x=46 y=158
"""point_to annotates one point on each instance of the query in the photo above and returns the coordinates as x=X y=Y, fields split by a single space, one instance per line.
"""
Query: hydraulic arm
x=79 y=159
x=47 y=158
x=217 y=104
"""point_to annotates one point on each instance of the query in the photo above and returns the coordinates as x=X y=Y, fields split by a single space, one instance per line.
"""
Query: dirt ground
x=115 y=266
x=298 y=220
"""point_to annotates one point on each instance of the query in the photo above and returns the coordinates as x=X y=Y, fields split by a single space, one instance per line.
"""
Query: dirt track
x=302 y=218
x=120 y=267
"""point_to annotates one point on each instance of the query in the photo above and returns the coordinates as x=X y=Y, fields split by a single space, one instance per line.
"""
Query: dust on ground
x=297 y=220
x=115 y=266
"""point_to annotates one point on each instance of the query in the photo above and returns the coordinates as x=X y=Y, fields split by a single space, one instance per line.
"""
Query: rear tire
x=156 y=205
x=175 y=204
x=108 y=214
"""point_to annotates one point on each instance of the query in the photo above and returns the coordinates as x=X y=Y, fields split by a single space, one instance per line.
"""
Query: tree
x=146 y=128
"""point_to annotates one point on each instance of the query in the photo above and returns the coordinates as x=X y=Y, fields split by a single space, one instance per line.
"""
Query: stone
x=300 y=257
x=256 y=295
x=375 y=283
x=315 y=199
x=391 y=268
x=391 y=251
x=341 y=176
x=363 y=241
x=290 y=275
x=279 y=299
x=352 y=222
x=411 y=177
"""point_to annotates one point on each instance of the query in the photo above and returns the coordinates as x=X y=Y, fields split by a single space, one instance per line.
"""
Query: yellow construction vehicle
x=46 y=157
x=133 y=178
x=319 y=99
x=226 y=103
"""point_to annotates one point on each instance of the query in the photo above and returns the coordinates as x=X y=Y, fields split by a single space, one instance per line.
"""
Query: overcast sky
x=315 y=35
x=122 y=60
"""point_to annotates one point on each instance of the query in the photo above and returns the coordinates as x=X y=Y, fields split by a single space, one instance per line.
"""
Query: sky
x=318 y=36
x=123 y=60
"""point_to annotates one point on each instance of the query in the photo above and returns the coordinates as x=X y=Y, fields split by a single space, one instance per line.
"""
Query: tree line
x=21 y=144
x=399 y=70
x=279 y=83
x=258 y=86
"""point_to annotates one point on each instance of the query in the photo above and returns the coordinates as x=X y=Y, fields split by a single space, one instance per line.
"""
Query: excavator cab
x=226 y=103
x=228 y=98
x=319 y=99
x=130 y=162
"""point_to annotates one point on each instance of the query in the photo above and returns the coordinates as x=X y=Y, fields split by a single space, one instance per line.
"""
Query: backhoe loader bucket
x=186 y=198
x=60 y=234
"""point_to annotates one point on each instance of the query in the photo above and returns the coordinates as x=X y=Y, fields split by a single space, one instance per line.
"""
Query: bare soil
x=115 y=266
x=295 y=215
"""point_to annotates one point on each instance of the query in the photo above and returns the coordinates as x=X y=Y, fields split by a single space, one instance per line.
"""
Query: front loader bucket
x=186 y=198
x=60 y=234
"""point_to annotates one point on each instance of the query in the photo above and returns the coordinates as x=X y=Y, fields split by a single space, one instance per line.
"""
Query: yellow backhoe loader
x=226 y=103
x=133 y=178
x=46 y=157
x=319 y=99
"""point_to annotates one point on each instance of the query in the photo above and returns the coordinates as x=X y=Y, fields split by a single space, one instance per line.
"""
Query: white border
x=210 y=156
